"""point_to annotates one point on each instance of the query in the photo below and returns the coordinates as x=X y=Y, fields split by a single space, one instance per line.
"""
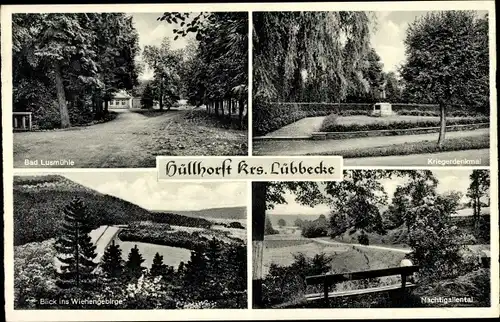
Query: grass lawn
x=423 y=147
x=335 y=123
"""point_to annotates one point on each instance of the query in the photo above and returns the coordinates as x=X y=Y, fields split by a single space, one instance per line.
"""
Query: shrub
x=236 y=224
x=363 y=239
x=329 y=124
x=268 y=117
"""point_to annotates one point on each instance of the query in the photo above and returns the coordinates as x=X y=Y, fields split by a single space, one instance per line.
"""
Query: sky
x=390 y=33
x=449 y=180
x=143 y=189
x=152 y=32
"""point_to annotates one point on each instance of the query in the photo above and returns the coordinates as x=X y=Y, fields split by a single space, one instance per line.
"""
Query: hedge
x=330 y=124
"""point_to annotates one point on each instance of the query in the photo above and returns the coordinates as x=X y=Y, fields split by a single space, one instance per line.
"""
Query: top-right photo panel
x=385 y=88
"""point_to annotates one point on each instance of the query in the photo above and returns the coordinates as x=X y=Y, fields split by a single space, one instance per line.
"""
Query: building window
x=123 y=102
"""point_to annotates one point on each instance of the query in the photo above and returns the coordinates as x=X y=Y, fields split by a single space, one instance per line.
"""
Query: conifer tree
x=75 y=249
x=112 y=263
x=134 y=263
x=158 y=268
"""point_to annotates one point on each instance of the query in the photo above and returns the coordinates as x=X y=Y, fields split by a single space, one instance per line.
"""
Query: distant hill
x=236 y=213
x=39 y=202
x=290 y=218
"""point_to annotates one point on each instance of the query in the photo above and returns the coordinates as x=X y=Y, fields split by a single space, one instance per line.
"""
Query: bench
x=22 y=121
x=328 y=280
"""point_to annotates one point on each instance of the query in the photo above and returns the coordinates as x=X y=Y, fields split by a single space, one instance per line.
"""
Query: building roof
x=122 y=94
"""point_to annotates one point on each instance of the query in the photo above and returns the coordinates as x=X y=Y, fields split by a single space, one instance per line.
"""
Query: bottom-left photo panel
x=124 y=240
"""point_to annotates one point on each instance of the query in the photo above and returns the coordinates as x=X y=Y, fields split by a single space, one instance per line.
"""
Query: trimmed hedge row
x=268 y=117
x=330 y=124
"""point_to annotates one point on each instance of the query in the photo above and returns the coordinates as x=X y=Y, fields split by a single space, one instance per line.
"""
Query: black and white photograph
x=377 y=239
x=115 y=90
x=123 y=240
x=380 y=88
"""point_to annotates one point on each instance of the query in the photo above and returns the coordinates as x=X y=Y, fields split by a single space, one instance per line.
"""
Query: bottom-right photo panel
x=377 y=239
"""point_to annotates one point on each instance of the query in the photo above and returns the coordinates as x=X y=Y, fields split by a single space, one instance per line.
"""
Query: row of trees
x=67 y=66
x=216 y=271
x=211 y=70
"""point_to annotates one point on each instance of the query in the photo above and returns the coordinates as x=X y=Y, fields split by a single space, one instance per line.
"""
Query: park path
x=422 y=159
x=104 y=239
x=122 y=142
x=304 y=147
x=302 y=128
x=391 y=249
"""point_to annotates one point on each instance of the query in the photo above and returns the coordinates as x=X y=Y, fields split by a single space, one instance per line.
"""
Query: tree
x=158 y=268
x=445 y=54
x=393 y=88
x=147 y=98
x=281 y=222
x=436 y=243
x=164 y=62
x=134 y=263
x=269 y=230
x=408 y=196
x=478 y=189
x=75 y=249
x=112 y=262
x=298 y=222
x=298 y=55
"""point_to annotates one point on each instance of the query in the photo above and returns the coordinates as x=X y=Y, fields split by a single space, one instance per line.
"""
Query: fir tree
x=76 y=252
x=158 y=268
x=112 y=263
x=134 y=263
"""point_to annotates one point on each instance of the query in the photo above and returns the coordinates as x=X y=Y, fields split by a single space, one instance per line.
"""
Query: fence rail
x=330 y=279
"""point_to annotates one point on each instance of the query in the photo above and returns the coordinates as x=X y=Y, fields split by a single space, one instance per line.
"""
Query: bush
x=363 y=239
x=236 y=224
x=269 y=117
x=330 y=124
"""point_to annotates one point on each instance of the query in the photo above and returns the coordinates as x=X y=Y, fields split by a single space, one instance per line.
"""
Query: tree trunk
x=161 y=93
x=258 y=223
x=106 y=106
x=216 y=108
x=61 y=97
x=478 y=216
x=241 y=107
x=442 y=127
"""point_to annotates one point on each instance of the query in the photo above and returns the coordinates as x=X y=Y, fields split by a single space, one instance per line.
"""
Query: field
x=279 y=249
x=172 y=256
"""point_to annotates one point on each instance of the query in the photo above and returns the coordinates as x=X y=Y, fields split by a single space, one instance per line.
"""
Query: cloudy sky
x=143 y=189
x=152 y=32
x=449 y=180
x=390 y=33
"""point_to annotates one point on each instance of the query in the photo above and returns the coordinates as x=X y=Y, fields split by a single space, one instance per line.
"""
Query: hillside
x=290 y=218
x=236 y=213
x=39 y=203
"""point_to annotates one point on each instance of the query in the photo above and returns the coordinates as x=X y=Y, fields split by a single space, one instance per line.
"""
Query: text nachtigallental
x=250 y=168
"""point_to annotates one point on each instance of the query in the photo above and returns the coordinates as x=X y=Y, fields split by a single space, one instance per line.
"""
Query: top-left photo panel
x=116 y=90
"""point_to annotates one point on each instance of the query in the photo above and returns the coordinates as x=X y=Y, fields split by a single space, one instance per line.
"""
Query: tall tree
x=308 y=56
x=134 y=263
x=158 y=268
x=75 y=249
x=164 y=62
x=445 y=54
x=478 y=190
x=112 y=262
